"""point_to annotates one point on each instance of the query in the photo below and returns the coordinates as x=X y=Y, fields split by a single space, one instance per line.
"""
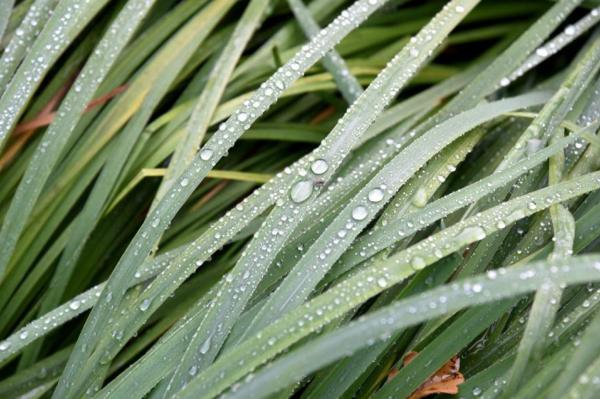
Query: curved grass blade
x=216 y=147
x=363 y=285
x=243 y=280
x=482 y=289
x=56 y=137
x=364 y=206
x=557 y=43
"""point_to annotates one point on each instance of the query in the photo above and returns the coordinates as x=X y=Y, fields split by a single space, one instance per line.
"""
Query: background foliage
x=267 y=198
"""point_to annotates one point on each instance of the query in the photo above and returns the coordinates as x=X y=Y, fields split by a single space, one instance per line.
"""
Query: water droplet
x=206 y=154
x=420 y=198
x=504 y=82
x=4 y=346
x=382 y=282
x=242 y=117
x=145 y=305
x=193 y=370
x=375 y=195
x=74 y=305
x=24 y=335
x=319 y=167
x=205 y=346
x=359 y=213
x=418 y=263
x=184 y=182
x=301 y=191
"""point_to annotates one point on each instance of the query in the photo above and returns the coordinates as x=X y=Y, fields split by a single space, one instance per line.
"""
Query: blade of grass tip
x=58 y=316
x=557 y=43
x=51 y=42
x=6 y=8
x=69 y=113
x=252 y=266
x=216 y=147
x=411 y=311
x=373 y=280
x=24 y=36
x=365 y=205
x=333 y=62
x=213 y=92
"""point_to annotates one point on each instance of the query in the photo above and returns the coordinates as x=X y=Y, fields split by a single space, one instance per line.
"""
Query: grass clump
x=277 y=199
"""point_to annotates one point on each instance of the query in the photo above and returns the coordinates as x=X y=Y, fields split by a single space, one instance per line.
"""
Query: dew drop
x=418 y=263
x=4 y=346
x=205 y=346
x=184 y=182
x=382 y=282
x=74 y=305
x=420 y=198
x=145 y=305
x=375 y=195
x=359 y=213
x=301 y=191
x=319 y=166
x=242 y=117
x=206 y=154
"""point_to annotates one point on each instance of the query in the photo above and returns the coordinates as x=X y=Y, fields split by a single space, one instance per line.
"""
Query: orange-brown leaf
x=445 y=380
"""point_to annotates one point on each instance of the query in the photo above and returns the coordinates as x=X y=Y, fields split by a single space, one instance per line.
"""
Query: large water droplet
x=375 y=195
x=359 y=213
x=145 y=305
x=205 y=346
x=420 y=198
x=319 y=166
x=301 y=191
x=472 y=233
x=206 y=154
x=74 y=305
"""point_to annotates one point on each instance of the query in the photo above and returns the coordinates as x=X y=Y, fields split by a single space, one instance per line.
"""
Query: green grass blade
x=58 y=33
x=333 y=62
x=208 y=101
x=373 y=280
x=507 y=283
x=213 y=150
